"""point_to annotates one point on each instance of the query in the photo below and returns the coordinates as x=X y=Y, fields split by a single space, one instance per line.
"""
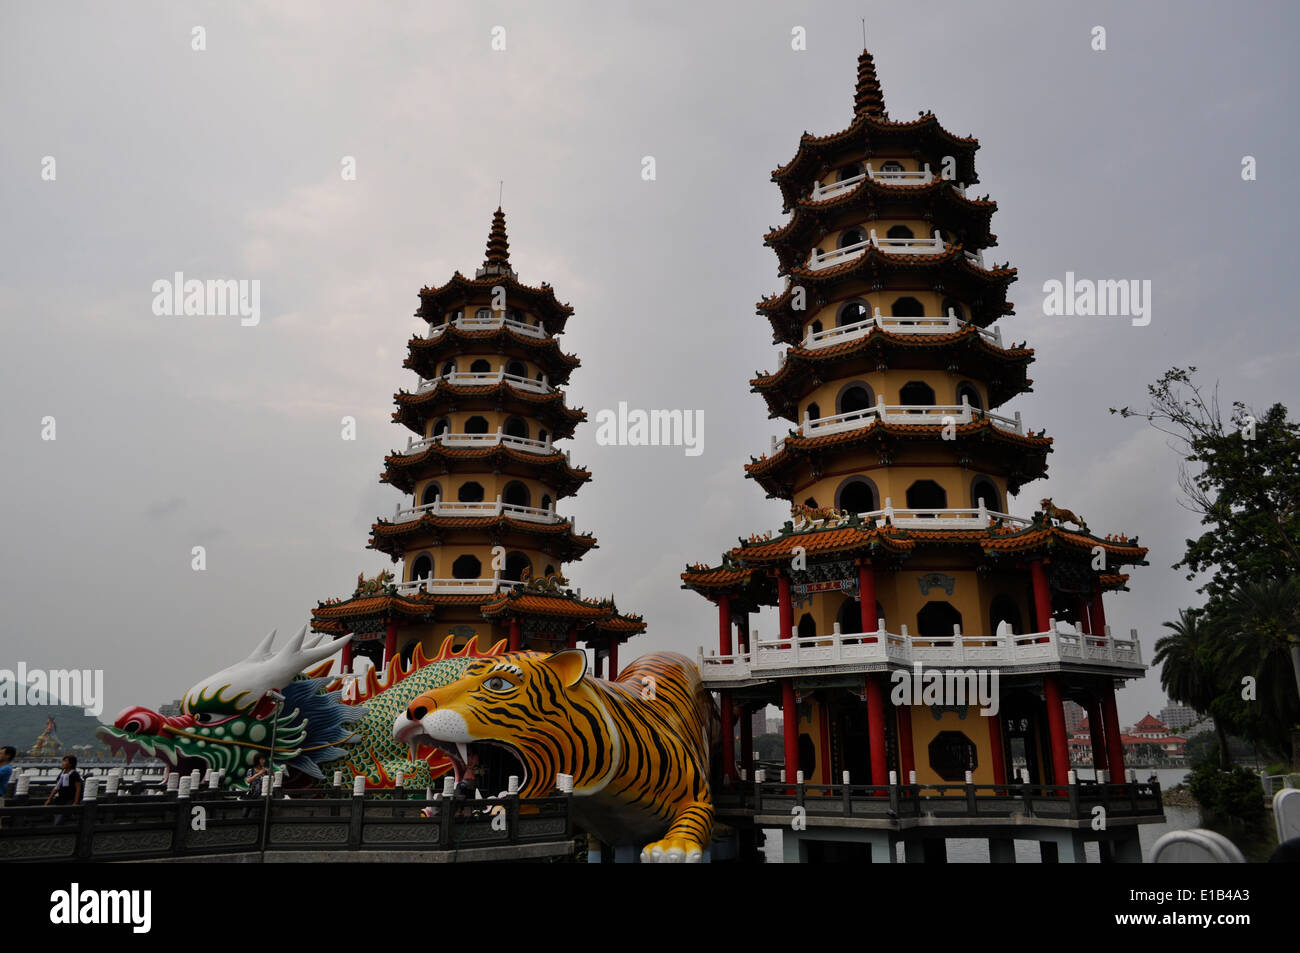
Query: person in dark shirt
x=7 y=755
x=67 y=789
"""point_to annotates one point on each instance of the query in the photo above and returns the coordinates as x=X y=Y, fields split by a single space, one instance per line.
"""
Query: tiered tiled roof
x=395 y=538
x=414 y=410
x=426 y=355
x=403 y=470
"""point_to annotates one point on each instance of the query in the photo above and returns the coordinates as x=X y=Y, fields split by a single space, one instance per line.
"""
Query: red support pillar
x=786 y=612
x=790 y=727
x=876 y=730
x=996 y=751
x=1042 y=595
x=867 y=597
x=724 y=625
x=1056 y=728
x=728 y=740
x=1097 y=733
x=516 y=638
x=1114 y=743
x=906 y=760
x=390 y=641
x=572 y=641
x=742 y=631
x=613 y=658
x=1098 y=613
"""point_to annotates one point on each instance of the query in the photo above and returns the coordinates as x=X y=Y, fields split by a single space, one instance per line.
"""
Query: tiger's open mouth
x=495 y=762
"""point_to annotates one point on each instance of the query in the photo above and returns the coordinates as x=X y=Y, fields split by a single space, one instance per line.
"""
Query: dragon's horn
x=263 y=649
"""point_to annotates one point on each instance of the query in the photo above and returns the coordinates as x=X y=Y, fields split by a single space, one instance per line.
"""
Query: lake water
x=962 y=850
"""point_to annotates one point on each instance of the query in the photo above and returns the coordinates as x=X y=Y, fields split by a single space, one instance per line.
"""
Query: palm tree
x=1257 y=629
x=1188 y=672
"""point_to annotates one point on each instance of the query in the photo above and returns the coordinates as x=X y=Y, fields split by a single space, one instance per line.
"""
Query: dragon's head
x=523 y=713
x=228 y=718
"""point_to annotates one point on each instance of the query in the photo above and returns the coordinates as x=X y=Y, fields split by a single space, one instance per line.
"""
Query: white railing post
x=874 y=240
x=500 y=505
x=966 y=416
x=1019 y=427
x=983 y=514
x=928 y=178
x=889 y=509
x=958 y=642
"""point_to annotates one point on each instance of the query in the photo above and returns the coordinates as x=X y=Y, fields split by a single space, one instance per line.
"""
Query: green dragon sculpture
x=327 y=722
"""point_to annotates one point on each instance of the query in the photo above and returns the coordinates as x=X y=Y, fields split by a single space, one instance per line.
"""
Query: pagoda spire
x=498 y=248
x=868 y=100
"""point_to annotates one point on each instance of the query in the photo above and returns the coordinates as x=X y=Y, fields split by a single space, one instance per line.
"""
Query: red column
x=572 y=641
x=1042 y=595
x=876 y=730
x=724 y=625
x=1098 y=613
x=786 y=613
x=1082 y=608
x=867 y=595
x=516 y=638
x=1056 y=727
x=906 y=760
x=790 y=725
x=747 y=742
x=742 y=631
x=345 y=664
x=390 y=640
x=995 y=750
x=728 y=740
x=1097 y=731
x=1114 y=743
x=613 y=658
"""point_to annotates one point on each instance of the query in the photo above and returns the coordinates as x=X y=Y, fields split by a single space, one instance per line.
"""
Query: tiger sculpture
x=637 y=747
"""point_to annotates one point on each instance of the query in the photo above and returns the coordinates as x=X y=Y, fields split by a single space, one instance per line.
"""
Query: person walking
x=67 y=789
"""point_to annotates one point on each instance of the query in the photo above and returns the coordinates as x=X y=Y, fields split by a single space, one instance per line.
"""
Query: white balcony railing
x=973 y=517
x=470 y=586
x=948 y=324
x=486 y=324
x=484 y=508
x=1059 y=644
x=930 y=414
x=819 y=260
x=467 y=379
x=473 y=440
x=924 y=177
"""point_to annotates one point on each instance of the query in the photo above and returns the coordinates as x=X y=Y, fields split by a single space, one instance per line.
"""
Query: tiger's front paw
x=672 y=850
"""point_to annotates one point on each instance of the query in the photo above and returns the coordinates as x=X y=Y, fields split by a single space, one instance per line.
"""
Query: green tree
x=1187 y=670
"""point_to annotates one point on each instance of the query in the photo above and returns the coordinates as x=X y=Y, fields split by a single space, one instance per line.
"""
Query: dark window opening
x=858 y=496
x=466 y=567
x=936 y=619
x=907 y=307
x=470 y=492
x=926 y=495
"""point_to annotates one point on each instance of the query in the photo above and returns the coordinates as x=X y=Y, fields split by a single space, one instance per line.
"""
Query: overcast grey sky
x=174 y=432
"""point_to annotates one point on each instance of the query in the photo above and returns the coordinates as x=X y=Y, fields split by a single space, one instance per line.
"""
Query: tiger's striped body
x=637 y=747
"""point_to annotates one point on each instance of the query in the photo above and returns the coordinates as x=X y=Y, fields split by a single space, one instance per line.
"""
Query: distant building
x=1074 y=715
x=171 y=709
x=1152 y=731
x=1177 y=717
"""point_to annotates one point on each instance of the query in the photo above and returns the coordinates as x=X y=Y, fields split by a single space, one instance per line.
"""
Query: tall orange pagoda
x=905 y=546
x=479 y=533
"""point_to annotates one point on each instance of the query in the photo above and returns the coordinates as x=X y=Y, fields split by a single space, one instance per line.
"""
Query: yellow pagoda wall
x=493 y=484
x=889 y=384
x=975 y=726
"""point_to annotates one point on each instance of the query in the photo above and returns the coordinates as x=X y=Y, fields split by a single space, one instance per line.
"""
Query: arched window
x=984 y=488
x=480 y=366
x=856 y=495
x=807 y=626
x=814 y=411
x=476 y=425
x=541 y=435
x=850 y=616
x=851 y=236
x=936 y=619
x=967 y=390
x=517 y=368
x=517 y=565
x=900 y=231
x=483 y=314
x=470 y=492
x=546 y=501
x=430 y=493
x=514 y=314
x=422 y=568
x=516 y=494
x=811 y=501
x=855 y=396
x=549 y=570
x=892 y=166
x=953 y=305
x=516 y=427
x=854 y=312
x=848 y=172
x=466 y=567
x=917 y=394
x=448 y=368
x=442 y=426
x=907 y=307
x=1003 y=608
x=926 y=495
x=815 y=328
x=456 y=315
